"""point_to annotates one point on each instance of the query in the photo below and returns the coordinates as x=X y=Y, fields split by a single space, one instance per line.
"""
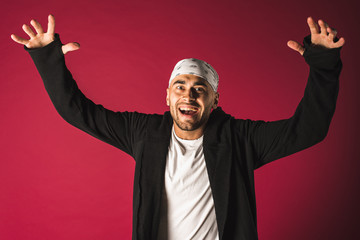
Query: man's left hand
x=321 y=35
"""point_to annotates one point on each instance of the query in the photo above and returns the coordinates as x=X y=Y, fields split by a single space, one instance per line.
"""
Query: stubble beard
x=186 y=125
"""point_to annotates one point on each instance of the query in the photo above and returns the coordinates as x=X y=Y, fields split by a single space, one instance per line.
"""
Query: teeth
x=188 y=109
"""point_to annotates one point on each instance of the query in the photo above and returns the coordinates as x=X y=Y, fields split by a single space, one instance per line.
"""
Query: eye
x=179 y=87
x=199 y=89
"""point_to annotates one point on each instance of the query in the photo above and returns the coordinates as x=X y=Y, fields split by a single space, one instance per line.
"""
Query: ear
x=167 y=97
x=216 y=100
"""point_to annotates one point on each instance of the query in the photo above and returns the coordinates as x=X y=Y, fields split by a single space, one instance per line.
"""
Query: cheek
x=207 y=102
x=173 y=98
x=171 y=101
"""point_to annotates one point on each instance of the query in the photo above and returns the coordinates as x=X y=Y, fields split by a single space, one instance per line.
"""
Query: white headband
x=198 y=68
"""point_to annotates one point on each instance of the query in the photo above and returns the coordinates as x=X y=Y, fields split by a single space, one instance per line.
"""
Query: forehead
x=189 y=79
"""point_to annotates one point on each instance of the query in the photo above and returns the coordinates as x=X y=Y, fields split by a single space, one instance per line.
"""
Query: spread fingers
x=28 y=31
x=19 y=39
x=37 y=26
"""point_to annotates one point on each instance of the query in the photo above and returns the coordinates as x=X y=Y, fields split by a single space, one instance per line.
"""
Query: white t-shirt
x=188 y=210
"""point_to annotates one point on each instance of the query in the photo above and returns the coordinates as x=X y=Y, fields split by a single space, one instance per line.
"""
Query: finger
x=296 y=46
x=70 y=47
x=37 y=26
x=51 y=24
x=314 y=29
x=332 y=32
x=339 y=43
x=323 y=26
x=19 y=39
x=28 y=31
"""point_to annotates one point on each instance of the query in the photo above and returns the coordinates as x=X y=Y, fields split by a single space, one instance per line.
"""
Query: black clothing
x=233 y=148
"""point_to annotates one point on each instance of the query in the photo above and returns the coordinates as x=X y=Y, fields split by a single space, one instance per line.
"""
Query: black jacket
x=233 y=148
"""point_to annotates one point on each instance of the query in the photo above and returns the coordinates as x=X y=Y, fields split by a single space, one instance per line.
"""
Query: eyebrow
x=195 y=84
x=179 y=82
x=200 y=83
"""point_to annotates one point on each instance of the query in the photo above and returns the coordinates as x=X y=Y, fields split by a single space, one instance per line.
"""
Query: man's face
x=190 y=99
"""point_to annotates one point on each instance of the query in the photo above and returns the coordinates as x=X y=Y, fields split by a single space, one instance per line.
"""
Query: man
x=194 y=165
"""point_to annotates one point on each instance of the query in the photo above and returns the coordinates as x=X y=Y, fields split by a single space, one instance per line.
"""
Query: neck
x=189 y=135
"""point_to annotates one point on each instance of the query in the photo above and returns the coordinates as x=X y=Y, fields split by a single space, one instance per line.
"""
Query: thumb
x=296 y=46
x=70 y=47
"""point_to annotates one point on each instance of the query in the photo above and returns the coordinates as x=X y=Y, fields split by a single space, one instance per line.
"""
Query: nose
x=190 y=95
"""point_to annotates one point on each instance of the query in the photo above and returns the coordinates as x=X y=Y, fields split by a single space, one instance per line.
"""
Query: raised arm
x=310 y=122
x=47 y=52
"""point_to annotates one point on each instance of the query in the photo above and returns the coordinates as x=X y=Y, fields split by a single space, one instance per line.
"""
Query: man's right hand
x=41 y=38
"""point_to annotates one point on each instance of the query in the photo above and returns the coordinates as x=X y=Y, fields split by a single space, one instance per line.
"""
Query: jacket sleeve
x=311 y=120
x=115 y=128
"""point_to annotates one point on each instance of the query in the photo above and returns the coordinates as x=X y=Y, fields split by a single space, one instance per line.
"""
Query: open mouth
x=188 y=110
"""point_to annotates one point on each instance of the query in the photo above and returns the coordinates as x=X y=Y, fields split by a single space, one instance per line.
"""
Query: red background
x=57 y=182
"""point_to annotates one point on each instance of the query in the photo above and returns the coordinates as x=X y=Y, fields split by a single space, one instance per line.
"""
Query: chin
x=187 y=123
x=188 y=126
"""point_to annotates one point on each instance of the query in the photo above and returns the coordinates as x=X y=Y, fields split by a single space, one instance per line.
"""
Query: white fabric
x=188 y=210
x=196 y=67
